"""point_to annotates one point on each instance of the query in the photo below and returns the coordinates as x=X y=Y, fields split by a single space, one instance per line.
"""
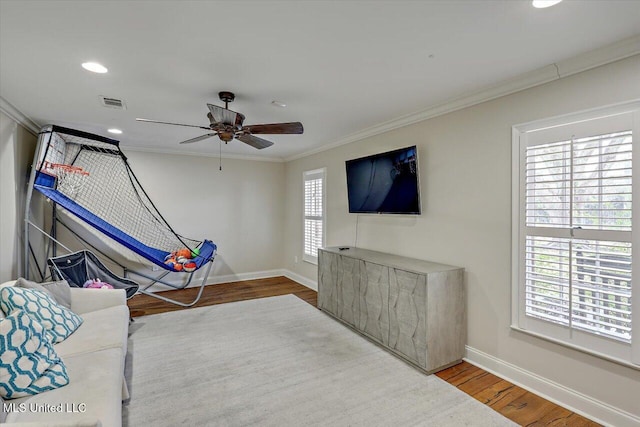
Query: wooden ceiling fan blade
x=198 y=138
x=254 y=141
x=171 y=123
x=276 y=128
x=222 y=115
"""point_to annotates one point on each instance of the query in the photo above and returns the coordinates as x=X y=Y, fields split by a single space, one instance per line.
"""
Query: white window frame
x=627 y=354
x=307 y=176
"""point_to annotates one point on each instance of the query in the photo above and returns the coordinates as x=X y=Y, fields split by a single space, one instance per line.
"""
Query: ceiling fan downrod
x=226 y=97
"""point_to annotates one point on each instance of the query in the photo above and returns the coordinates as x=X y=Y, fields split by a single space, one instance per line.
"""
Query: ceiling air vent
x=112 y=103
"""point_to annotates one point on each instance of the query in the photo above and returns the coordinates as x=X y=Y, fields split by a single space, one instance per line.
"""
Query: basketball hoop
x=70 y=179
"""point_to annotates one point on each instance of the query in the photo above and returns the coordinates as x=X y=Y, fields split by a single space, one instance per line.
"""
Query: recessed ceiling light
x=278 y=104
x=541 y=4
x=114 y=130
x=94 y=67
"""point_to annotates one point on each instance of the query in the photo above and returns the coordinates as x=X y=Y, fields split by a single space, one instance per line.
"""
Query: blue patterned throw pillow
x=28 y=362
x=58 y=321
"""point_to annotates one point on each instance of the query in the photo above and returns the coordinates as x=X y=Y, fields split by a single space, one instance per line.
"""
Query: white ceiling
x=341 y=67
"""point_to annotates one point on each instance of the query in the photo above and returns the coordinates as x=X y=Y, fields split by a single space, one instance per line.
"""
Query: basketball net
x=70 y=179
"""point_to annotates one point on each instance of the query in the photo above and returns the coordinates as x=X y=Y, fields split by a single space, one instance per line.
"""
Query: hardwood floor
x=517 y=404
x=141 y=305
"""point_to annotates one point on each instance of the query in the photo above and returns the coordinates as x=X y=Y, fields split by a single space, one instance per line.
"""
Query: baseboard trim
x=241 y=277
x=312 y=284
x=215 y=280
x=577 y=402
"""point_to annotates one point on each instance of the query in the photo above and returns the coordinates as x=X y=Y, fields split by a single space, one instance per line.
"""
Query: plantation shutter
x=576 y=195
x=313 y=214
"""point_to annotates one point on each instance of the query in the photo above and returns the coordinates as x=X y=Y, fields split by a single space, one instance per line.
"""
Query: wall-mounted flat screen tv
x=385 y=183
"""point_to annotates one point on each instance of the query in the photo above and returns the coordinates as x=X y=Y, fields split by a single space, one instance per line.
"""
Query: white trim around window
x=575 y=231
x=314 y=223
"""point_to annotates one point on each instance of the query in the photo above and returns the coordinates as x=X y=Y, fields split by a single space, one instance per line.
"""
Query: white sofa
x=95 y=358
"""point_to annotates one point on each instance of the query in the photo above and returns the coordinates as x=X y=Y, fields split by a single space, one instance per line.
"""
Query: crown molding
x=583 y=62
x=595 y=58
x=16 y=115
x=211 y=155
x=579 y=63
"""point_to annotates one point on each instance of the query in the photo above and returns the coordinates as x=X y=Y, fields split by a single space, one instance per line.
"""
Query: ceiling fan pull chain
x=220 y=155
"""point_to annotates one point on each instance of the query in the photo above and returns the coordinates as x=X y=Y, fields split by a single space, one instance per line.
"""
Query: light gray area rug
x=279 y=362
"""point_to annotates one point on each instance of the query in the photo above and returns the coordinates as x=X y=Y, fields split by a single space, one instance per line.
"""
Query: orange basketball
x=183 y=253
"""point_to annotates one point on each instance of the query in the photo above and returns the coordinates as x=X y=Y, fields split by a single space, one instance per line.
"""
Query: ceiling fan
x=227 y=125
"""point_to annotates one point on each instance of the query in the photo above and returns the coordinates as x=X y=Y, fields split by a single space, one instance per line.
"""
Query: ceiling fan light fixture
x=541 y=4
x=278 y=104
x=114 y=131
x=94 y=67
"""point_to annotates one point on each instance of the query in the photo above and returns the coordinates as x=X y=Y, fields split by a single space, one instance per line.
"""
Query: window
x=573 y=223
x=313 y=214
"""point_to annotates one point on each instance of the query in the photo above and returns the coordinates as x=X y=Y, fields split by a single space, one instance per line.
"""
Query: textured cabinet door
x=446 y=324
x=328 y=282
x=348 y=290
x=414 y=308
x=374 y=301
x=408 y=315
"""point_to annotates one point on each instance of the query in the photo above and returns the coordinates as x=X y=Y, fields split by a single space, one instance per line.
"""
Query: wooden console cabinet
x=414 y=308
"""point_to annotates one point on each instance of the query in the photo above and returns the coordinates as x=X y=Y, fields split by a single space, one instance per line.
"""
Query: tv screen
x=384 y=183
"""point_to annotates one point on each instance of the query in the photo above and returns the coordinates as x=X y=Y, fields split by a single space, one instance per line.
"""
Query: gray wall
x=465 y=174
x=17 y=146
x=240 y=208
